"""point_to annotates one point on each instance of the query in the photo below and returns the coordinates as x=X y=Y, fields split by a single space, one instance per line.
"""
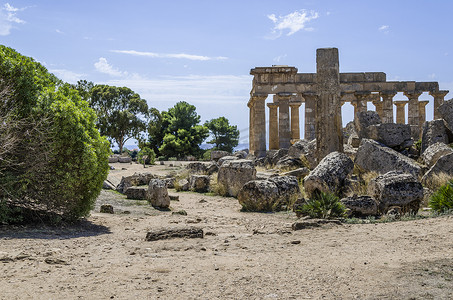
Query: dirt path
x=242 y=256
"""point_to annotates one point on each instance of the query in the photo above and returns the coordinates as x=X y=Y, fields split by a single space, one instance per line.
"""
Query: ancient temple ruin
x=323 y=94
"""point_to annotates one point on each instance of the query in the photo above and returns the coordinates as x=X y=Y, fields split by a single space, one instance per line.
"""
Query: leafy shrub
x=150 y=156
x=207 y=155
x=172 y=159
x=323 y=206
x=442 y=200
x=162 y=158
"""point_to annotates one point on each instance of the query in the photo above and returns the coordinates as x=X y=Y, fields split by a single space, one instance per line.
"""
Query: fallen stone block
x=164 y=234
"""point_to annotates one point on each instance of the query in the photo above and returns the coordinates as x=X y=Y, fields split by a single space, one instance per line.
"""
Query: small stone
x=106 y=209
x=295 y=242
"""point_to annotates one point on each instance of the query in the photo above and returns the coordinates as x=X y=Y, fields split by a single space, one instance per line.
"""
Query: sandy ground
x=242 y=255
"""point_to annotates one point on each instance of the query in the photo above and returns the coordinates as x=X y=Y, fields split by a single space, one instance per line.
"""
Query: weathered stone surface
x=433 y=132
x=125 y=159
x=305 y=150
x=396 y=189
x=434 y=152
x=106 y=209
x=360 y=206
x=196 y=167
x=350 y=151
x=170 y=182
x=354 y=140
x=288 y=191
x=364 y=119
x=107 y=185
x=217 y=154
x=348 y=130
x=211 y=168
x=276 y=156
x=391 y=134
x=446 y=111
x=289 y=163
x=242 y=154
x=226 y=158
x=183 y=185
x=258 y=195
x=134 y=180
x=374 y=157
x=137 y=193
x=234 y=174
x=199 y=183
x=298 y=173
x=157 y=194
x=329 y=175
x=164 y=234
x=442 y=167
x=113 y=159
x=311 y=223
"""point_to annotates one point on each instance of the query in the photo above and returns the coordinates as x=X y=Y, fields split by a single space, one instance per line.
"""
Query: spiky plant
x=324 y=206
x=442 y=200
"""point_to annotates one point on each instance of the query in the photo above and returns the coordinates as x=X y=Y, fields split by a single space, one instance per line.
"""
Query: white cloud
x=104 y=67
x=67 y=76
x=169 y=55
x=8 y=17
x=384 y=28
x=280 y=57
x=292 y=22
x=59 y=31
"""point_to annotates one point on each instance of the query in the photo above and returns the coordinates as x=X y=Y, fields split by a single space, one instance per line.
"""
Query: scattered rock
x=289 y=163
x=304 y=150
x=196 y=168
x=211 y=168
x=113 y=159
x=137 y=193
x=217 y=154
x=360 y=206
x=181 y=212
x=299 y=173
x=170 y=182
x=157 y=194
x=362 y=120
x=258 y=195
x=242 y=154
x=354 y=140
x=199 y=183
x=276 y=156
x=310 y=223
x=329 y=175
x=107 y=185
x=234 y=174
x=374 y=157
x=396 y=189
x=446 y=111
x=183 y=185
x=226 y=158
x=134 y=180
x=390 y=134
x=434 y=132
x=106 y=209
x=442 y=168
x=288 y=191
x=165 y=234
x=174 y=197
x=125 y=159
x=434 y=152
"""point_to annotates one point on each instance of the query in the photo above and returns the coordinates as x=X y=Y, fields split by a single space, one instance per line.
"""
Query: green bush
x=323 y=206
x=207 y=155
x=172 y=159
x=150 y=156
x=162 y=158
x=442 y=200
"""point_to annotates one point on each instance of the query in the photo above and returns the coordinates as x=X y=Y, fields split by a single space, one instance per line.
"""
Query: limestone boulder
x=360 y=206
x=363 y=120
x=434 y=152
x=391 y=134
x=217 y=154
x=242 y=154
x=137 y=193
x=446 y=111
x=134 y=180
x=157 y=194
x=276 y=156
x=226 y=158
x=113 y=159
x=289 y=163
x=374 y=157
x=329 y=175
x=196 y=168
x=234 y=174
x=434 y=131
x=354 y=140
x=442 y=169
x=199 y=183
x=124 y=159
x=182 y=185
x=288 y=191
x=298 y=173
x=305 y=150
x=349 y=130
x=396 y=189
x=258 y=195
x=170 y=182
x=107 y=185
x=211 y=168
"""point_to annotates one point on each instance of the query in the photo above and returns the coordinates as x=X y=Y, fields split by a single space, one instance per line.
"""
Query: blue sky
x=202 y=51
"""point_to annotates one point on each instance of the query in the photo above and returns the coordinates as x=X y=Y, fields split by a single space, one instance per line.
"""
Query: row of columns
x=284 y=115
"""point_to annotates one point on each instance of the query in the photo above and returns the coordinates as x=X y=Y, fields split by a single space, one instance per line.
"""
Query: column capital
x=295 y=104
x=362 y=93
x=423 y=103
x=387 y=93
x=440 y=93
x=272 y=105
x=284 y=95
x=258 y=96
x=412 y=95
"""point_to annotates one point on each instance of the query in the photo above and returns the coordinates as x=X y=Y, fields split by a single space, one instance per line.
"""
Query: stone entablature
x=292 y=89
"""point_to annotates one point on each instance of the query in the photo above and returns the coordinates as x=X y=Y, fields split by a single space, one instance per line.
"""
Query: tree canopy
x=120 y=112
x=225 y=136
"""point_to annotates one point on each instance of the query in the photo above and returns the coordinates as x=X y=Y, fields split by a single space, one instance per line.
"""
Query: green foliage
x=183 y=135
x=155 y=130
x=442 y=200
x=119 y=111
x=207 y=155
x=60 y=160
x=225 y=136
x=418 y=145
x=323 y=206
x=149 y=154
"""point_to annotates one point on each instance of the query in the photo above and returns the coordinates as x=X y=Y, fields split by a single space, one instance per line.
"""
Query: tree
x=120 y=111
x=183 y=134
x=53 y=158
x=225 y=136
x=155 y=131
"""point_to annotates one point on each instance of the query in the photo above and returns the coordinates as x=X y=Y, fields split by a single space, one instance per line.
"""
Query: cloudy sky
x=202 y=51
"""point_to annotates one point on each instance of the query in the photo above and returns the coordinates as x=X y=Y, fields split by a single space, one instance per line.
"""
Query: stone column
x=400 y=112
x=251 y=105
x=387 y=106
x=310 y=116
x=361 y=102
x=422 y=112
x=284 y=133
x=259 y=125
x=379 y=108
x=438 y=101
x=329 y=135
x=413 y=113
x=273 y=126
x=295 y=125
